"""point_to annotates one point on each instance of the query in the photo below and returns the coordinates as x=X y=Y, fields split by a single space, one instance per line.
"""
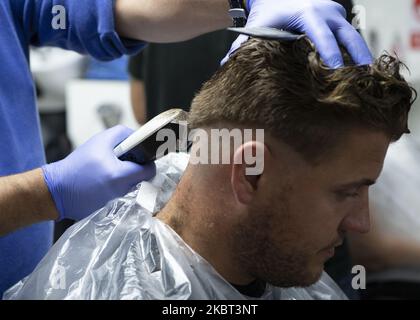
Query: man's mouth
x=330 y=250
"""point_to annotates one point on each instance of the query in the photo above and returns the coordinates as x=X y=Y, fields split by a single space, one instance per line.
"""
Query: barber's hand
x=323 y=21
x=92 y=175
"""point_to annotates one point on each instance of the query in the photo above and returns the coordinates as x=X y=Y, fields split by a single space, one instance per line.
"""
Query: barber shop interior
x=210 y=150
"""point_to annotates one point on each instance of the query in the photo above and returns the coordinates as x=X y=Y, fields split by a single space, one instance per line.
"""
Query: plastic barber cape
x=123 y=252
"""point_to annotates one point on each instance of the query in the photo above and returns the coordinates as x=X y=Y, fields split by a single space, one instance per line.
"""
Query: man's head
x=326 y=136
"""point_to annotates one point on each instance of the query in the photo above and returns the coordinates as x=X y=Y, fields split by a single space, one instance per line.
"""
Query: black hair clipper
x=165 y=133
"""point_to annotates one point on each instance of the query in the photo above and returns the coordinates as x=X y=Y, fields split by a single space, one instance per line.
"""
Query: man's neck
x=201 y=217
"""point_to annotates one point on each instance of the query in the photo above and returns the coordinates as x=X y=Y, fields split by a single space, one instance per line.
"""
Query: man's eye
x=344 y=195
x=352 y=195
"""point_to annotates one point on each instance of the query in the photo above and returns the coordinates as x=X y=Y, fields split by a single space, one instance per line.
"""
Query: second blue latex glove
x=323 y=21
x=92 y=175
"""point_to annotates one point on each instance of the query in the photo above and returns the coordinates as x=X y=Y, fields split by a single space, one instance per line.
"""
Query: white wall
x=394 y=21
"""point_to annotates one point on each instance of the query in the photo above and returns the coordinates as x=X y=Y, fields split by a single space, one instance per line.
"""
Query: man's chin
x=309 y=280
x=312 y=275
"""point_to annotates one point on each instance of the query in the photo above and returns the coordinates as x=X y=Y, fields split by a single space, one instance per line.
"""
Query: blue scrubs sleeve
x=89 y=27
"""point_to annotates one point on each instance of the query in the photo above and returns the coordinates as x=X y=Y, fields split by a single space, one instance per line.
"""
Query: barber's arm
x=105 y=28
x=169 y=20
x=71 y=188
x=323 y=21
x=24 y=200
x=108 y=29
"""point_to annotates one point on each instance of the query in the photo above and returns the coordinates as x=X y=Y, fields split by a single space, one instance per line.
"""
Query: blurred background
x=79 y=96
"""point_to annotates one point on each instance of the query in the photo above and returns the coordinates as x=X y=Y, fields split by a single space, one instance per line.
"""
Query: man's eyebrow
x=357 y=184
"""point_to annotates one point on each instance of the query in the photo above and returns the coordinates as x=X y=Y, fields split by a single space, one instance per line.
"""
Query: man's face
x=303 y=211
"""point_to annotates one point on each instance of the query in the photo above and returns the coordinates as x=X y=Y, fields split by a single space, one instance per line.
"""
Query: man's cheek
x=329 y=214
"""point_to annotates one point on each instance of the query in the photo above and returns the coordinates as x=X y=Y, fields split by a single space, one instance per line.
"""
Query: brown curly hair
x=284 y=88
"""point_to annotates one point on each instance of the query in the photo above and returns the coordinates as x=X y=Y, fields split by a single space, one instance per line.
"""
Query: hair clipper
x=146 y=145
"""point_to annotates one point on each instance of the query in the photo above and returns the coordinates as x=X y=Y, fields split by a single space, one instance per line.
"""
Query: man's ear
x=247 y=168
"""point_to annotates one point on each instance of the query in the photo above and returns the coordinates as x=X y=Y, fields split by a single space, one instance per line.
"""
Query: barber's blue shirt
x=89 y=29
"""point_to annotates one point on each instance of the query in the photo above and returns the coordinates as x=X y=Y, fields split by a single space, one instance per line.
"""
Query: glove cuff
x=52 y=188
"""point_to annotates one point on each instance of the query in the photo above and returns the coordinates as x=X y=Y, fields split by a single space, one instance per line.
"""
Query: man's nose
x=358 y=219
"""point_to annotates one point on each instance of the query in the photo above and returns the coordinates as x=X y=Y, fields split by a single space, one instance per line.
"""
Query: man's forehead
x=357 y=157
x=362 y=144
x=360 y=154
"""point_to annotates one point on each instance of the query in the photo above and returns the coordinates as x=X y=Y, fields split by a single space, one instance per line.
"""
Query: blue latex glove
x=92 y=175
x=323 y=21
